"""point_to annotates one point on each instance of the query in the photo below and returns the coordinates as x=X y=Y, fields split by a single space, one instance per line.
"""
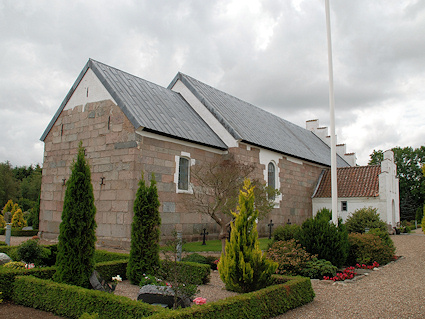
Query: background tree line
x=21 y=184
x=409 y=163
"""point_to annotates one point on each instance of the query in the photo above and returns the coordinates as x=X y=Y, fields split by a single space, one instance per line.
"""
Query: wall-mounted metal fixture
x=63 y=181
x=101 y=181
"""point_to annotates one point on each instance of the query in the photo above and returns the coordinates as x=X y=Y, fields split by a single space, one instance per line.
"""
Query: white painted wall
x=387 y=203
x=353 y=203
x=205 y=114
x=266 y=157
x=89 y=90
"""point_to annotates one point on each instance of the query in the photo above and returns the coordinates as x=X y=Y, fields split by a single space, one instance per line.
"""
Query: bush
x=62 y=300
x=2 y=222
x=244 y=268
x=18 y=220
x=77 y=237
x=73 y=301
x=367 y=248
x=290 y=256
x=423 y=222
x=364 y=218
x=32 y=253
x=318 y=268
x=8 y=276
x=195 y=258
x=199 y=273
x=385 y=237
x=212 y=261
x=144 y=252
x=286 y=232
x=14 y=265
x=101 y=256
x=320 y=237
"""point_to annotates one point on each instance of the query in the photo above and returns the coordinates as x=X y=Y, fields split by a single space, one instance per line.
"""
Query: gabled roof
x=148 y=105
x=357 y=181
x=255 y=126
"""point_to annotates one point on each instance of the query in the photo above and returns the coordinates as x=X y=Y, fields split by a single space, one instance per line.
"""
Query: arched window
x=183 y=183
x=271 y=182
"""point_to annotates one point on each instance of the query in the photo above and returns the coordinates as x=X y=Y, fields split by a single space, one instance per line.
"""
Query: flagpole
x=332 y=117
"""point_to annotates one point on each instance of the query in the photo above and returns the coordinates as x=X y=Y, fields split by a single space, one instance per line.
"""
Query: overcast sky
x=272 y=54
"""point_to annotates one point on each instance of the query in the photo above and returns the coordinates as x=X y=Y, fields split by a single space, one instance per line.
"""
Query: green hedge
x=20 y=233
x=200 y=272
x=7 y=278
x=110 y=269
x=101 y=256
x=72 y=301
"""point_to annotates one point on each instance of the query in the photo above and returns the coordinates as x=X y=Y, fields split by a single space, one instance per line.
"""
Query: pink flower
x=168 y=284
x=29 y=266
x=200 y=300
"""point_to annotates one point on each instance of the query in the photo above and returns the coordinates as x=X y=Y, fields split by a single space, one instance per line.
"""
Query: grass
x=215 y=245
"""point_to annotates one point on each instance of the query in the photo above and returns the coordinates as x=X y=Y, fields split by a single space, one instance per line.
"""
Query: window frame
x=271 y=174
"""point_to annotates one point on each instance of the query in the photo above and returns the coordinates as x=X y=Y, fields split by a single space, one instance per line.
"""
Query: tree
x=18 y=220
x=244 y=268
x=77 y=238
x=145 y=233
x=411 y=179
x=9 y=186
x=216 y=188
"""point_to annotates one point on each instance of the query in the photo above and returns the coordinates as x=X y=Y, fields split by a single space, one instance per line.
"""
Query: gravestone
x=161 y=295
x=4 y=259
x=98 y=283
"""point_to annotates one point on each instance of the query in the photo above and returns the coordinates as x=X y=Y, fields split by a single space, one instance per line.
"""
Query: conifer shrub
x=77 y=238
x=8 y=207
x=364 y=218
x=290 y=256
x=18 y=220
x=145 y=233
x=286 y=232
x=326 y=240
x=367 y=248
x=318 y=268
x=2 y=221
x=244 y=268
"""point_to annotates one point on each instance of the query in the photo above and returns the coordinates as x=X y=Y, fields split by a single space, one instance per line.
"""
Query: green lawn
x=215 y=245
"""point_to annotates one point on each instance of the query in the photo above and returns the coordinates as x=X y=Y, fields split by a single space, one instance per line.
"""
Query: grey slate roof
x=258 y=127
x=149 y=105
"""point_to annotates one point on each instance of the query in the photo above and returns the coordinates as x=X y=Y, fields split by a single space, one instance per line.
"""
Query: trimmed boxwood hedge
x=72 y=301
x=101 y=256
x=8 y=275
x=19 y=232
x=200 y=273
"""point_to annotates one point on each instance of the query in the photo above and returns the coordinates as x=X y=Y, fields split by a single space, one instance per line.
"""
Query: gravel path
x=397 y=290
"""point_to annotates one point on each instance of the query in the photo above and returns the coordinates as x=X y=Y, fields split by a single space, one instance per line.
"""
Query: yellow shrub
x=18 y=220
x=8 y=207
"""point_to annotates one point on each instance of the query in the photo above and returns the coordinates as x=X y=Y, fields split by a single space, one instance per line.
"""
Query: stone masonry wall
x=117 y=156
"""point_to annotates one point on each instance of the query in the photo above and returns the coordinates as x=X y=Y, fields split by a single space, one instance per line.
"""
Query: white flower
x=117 y=278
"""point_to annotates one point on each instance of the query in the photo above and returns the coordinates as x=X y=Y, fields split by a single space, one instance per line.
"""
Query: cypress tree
x=77 y=238
x=244 y=268
x=145 y=233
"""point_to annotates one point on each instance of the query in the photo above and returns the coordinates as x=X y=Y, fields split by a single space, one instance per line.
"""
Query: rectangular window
x=344 y=206
x=183 y=183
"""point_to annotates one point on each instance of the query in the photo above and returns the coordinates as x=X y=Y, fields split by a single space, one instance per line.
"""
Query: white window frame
x=177 y=171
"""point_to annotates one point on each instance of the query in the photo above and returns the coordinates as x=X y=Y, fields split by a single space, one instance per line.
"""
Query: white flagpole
x=332 y=115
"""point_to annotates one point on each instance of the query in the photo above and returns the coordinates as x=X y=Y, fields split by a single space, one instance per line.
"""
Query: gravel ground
x=394 y=291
